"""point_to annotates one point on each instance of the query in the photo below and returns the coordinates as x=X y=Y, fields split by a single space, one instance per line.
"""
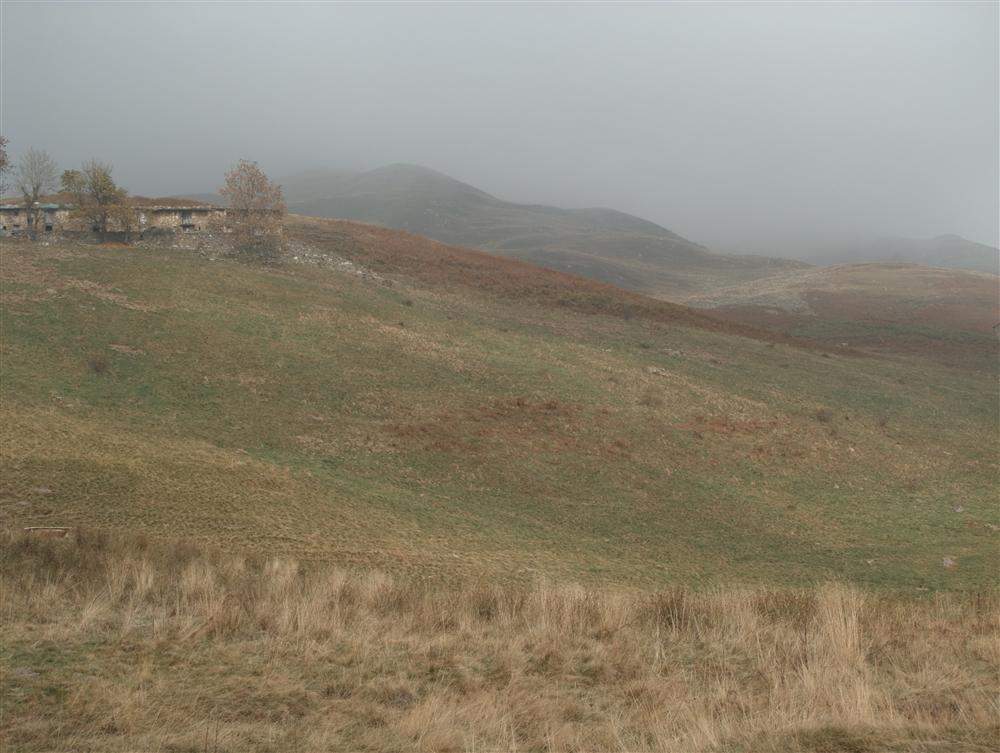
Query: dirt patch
x=127 y=350
x=106 y=294
x=728 y=426
x=770 y=317
x=513 y=419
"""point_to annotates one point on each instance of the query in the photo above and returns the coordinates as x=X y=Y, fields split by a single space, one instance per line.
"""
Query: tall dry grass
x=118 y=644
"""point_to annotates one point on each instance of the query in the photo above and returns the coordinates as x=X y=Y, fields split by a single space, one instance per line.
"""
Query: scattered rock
x=126 y=349
x=48 y=532
x=958 y=508
x=302 y=253
x=950 y=563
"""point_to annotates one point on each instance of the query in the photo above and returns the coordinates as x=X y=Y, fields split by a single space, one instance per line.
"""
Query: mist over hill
x=600 y=243
x=949 y=251
x=603 y=244
x=431 y=203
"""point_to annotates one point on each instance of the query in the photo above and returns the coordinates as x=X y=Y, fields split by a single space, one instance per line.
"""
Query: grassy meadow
x=431 y=500
x=408 y=426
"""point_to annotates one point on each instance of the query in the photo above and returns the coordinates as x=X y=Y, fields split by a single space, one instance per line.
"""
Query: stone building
x=14 y=220
x=177 y=215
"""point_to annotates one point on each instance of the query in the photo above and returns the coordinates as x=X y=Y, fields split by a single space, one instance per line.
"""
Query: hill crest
x=599 y=243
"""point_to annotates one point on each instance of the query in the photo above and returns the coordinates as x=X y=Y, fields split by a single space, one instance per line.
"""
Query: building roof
x=9 y=205
x=65 y=201
x=171 y=202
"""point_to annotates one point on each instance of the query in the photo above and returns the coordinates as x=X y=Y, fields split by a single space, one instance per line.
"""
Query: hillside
x=602 y=244
x=947 y=251
x=365 y=410
x=944 y=314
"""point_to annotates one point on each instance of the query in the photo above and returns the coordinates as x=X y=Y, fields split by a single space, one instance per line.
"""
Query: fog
x=743 y=127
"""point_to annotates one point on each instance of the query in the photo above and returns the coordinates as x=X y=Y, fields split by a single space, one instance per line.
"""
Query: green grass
x=319 y=414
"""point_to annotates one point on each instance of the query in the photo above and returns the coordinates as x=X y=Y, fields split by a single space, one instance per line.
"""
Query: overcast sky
x=740 y=126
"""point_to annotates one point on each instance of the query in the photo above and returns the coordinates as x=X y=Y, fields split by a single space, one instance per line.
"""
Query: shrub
x=652 y=397
x=98 y=364
x=256 y=214
x=823 y=415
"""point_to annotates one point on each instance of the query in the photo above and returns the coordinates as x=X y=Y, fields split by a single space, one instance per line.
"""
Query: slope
x=391 y=418
x=944 y=314
x=601 y=244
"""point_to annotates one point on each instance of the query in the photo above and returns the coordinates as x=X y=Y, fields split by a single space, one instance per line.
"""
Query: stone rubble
x=213 y=246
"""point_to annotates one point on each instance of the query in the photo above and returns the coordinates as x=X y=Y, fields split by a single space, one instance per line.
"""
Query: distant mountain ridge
x=424 y=199
x=603 y=244
x=600 y=243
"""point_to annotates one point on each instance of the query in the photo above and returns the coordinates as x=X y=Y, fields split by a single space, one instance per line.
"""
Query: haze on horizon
x=747 y=128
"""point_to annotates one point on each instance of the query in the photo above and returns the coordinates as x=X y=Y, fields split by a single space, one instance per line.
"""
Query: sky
x=754 y=127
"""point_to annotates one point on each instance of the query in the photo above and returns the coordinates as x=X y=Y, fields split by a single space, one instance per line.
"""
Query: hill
x=944 y=314
x=601 y=244
x=364 y=409
x=947 y=251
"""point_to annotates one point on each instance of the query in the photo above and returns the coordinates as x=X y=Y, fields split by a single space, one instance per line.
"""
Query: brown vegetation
x=437 y=265
x=131 y=644
x=96 y=197
x=256 y=213
x=943 y=314
x=823 y=415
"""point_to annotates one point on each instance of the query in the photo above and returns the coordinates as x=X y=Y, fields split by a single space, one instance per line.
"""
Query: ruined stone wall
x=176 y=219
x=14 y=220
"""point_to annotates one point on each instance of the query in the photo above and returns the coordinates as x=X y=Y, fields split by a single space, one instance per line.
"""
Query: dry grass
x=127 y=644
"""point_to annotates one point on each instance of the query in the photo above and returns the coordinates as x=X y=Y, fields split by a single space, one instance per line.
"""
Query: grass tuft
x=115 y=643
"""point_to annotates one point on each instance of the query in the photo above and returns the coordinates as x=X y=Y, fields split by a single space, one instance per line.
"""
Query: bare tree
x=125 y=217
x=4 y=165
x=97 y=197
x=36 y=175
x=256 y=213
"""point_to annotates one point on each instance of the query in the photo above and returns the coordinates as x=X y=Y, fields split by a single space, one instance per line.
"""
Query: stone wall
x=181 y=219
x=14 y=220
